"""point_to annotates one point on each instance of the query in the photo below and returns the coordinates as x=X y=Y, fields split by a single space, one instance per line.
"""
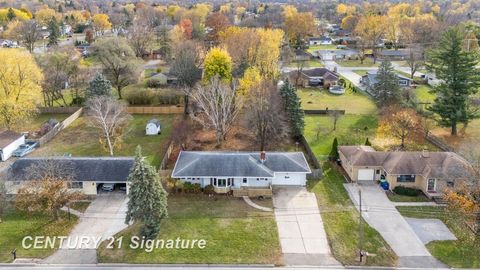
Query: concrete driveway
x=103 y=218
x=382 y=215
x=300 y=227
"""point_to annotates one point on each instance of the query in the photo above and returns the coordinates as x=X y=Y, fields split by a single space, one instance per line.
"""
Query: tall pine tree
x=147 y=199
x=386 y=90
x=54 y=32
x=293 y=107
x=98 y=86
x=460 y=79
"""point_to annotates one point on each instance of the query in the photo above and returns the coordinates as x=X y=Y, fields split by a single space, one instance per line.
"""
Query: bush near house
x=148 y=96
x=407 y=191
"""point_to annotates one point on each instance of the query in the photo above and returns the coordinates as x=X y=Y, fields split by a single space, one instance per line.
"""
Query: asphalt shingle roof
x=7 y=137
x=98 y=169
x=237 y=164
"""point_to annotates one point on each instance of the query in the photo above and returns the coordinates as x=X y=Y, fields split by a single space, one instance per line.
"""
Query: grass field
x=34 y=124
x=79 y=139
x=423 y=93
x=461 y=253
x=341 y=223
x=321 y=47
x=234 y=233
x=15 y=226
x=367 y=62
x=352 y=103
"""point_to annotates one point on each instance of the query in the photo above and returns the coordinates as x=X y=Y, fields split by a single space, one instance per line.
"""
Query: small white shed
x=9 y=142
x=153 y=127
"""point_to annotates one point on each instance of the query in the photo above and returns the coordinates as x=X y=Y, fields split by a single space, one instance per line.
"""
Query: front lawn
x=403 y=198
x=340 y=219
x=351 y=130
x=423 y=93
x=461 y=253
x=367 y=62
x=80 y=206
x=79 y=139
x=16 y=225
x=313 y=48
x=234 y=233
x=352 y=103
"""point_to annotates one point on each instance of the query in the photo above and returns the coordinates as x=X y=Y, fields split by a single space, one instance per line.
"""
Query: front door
x=431 y=185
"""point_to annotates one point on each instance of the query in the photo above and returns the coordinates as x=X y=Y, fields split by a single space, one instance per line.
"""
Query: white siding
x=365 y=175
x=90 y=188
x=8 y=151
x=295 y=179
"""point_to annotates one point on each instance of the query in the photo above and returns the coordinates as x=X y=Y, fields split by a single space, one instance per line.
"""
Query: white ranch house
x=229 y=171
x=9 y=142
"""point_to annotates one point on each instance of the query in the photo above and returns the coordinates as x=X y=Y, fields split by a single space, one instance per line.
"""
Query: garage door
x=365 y=174
x=289 y=180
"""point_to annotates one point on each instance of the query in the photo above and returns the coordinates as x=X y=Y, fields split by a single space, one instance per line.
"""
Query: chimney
x=425 y=153
x=263 y=156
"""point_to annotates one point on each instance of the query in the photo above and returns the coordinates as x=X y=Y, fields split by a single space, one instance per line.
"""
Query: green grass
x=361 y=72
x=34 y=124
x=351 y=130
x=309 y=63
x=321 y=47
x=234 y=233
x=423 y=94
x=461 y=253
x=79 y=139
x=341 y=223
x=403 y=198
x=352 y=103
x=16 y=225
x=367 y=62
x=80 y=206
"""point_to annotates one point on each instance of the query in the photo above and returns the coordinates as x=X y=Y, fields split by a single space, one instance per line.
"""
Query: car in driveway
x=25 y=149
x=107 y=187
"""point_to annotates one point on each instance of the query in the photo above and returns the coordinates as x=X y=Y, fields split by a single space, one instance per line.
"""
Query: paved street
x=300 y=227
x=103 y=218
x=382 y=215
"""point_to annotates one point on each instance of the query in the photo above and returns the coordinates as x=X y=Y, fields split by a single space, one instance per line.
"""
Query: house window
x=403 y=82
x=406 y=178
x=75 y=185
x=377 y=171
x=245 y=180
x=287 y=177
x=450 y=183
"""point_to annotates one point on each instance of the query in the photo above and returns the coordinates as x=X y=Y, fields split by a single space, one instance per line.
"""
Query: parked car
x=25 y=149
x=107 y=187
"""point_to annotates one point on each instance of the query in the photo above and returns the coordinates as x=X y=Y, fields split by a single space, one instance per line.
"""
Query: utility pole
x=360 y=226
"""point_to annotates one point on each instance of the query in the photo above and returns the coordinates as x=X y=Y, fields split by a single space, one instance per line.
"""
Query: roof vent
x=263 y=156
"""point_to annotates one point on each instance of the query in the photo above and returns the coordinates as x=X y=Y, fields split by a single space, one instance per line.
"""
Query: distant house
x=153 y=127
x=393 y=55
x=227 y=171
x=370 y=79
x=301 y=55
x=88 y=173
x=430 y=172
x=320 y=41
x=9 y=142
x=315 y=77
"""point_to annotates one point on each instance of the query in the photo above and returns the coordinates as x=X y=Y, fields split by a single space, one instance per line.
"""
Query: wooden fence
x=323 y=111
x=312 y=159
x=166 y=157
x=155 y=110
x=58 y=110
x=65 y=123
x=438 y=143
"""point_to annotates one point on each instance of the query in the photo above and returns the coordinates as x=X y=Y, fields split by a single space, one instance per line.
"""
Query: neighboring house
x=315 y=77
x=227 y=171
x=88 y=173
x=301 y=55
x=430 y=172
x=153 y=127
x=370 y=79
x=393 y=55
x=331 y=55
x=320 y=41
x=9 y=142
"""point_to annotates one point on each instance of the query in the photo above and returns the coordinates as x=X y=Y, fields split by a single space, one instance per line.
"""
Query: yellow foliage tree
x=370 y=29
x=101 y=22
x=20 y=15
x=217 y=62
x=299 y=26
x=20 y=89
x=343 y=9
x=202 y=10
x=225 y=8
x=289 y=11
x=268 y=51
x=45 y=15
x=403 y=10
x=251 y=78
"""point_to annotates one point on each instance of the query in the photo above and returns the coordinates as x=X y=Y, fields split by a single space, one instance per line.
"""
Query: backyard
x=234 y=233
x=461 y=253
x=79 y=139
x=33 y=125
x=367 y=62
x=341 y=221
x=14 y=226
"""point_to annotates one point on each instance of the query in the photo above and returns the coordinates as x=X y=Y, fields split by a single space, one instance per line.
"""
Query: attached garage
x=289 y=179
x=366 y=174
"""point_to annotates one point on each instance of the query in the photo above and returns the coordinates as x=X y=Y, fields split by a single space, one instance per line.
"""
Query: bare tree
x=218 y=106
x=29 y=32
x=141 y=39
x=415 y=61
x=110 y=118
x=46 y=187
x=335 y=115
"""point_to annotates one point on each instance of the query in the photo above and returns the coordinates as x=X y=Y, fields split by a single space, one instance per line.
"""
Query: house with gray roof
x=370 y=79
x=87 y=174
x=227 y=171
x=9 y=142
x=314 y=77
x=430 y=172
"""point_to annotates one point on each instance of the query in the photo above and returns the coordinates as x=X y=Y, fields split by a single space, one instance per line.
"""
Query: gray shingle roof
x=319 y=72
x=98 y=169
x=237 y=164
x=154 y=121
x=7 y=137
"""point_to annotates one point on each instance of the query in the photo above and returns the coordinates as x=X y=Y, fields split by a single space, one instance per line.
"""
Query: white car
x=107 y=187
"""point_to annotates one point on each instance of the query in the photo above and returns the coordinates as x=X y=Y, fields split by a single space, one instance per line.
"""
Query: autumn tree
x=44 y=15
x=370 y=29
x=350 y=22
x=403 y=124
x=217 y=62
x=218 y=106
x=101 y=23
x=20 y=89
x=110 y=118
x=187 y=28
x=118 y=60
x=46 y=187
x=29 y=32
x=266 y=115
x=217 y=22
x=251 y=79
x=242 y=44
x=141 y=39
x=147 y=202
x=298 y=26
x=386 y=89
x=457 y=70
